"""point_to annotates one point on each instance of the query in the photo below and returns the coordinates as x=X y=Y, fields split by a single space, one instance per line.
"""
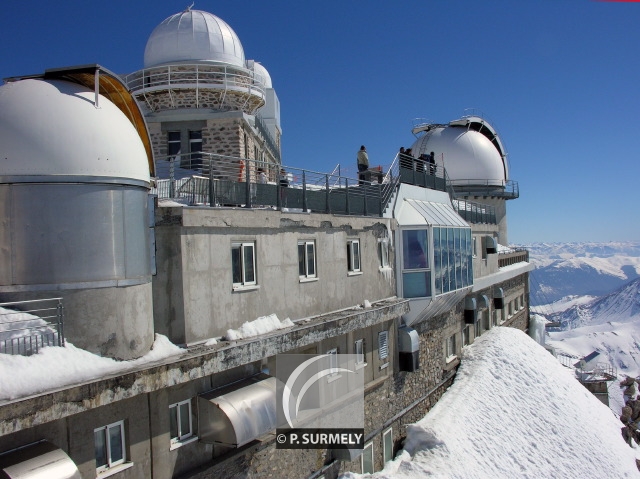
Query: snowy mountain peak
x=623 y=305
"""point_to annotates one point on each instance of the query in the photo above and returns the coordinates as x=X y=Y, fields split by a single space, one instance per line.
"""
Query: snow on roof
x=261 y=325
x=513 y=411
x=53 y=368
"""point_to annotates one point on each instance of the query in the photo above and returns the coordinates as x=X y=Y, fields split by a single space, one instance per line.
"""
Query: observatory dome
x=53 y=128
x=262 y=73
x=467 y=155
x=193 y=36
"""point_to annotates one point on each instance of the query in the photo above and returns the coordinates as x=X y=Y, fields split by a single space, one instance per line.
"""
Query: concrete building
x=401 y=272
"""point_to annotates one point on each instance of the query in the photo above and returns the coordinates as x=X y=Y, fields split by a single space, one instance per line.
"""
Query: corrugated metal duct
x=42 y=460
x=236 y=415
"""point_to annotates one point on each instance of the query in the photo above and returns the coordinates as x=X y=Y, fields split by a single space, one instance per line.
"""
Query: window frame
x=369 y=446
x=244 y=283
x=383 y=251
x=180 y=438
x=333 y=362
x=387 y=452
x=450 y=345
x=361 y=356
x=105 y=430
x=305 y=260
x=354 y=257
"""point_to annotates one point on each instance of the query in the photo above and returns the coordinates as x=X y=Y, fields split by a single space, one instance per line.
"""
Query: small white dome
x=52 y=127
x=193 y=36
x=466 y=154
x=262 y=75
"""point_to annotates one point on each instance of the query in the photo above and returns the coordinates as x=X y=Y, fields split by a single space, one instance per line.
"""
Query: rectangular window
x=466 y=335
x=307 y=259
x=416 y=275
x=333 y=361
x=173 y=143
x=451 y=347
x=366 y=461
x=359 y=351
x=195 y=148
x=383 y=344
x=387 y=445
x=243 y=264
x=384 y=253
x=180 y=421
x=353 y=256
x=109 y=446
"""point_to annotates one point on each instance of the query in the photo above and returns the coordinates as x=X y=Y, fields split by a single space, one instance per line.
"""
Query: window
x=195 y=148
x=180 y=421
x=383 y=344
x=366 y=460
x=307 y=259
x=173 y=143
x=383 y=249
x=466 y=335
x=353 y=256
x=333 y=361
x=243 y=264
x=359 y=351
x=451 y=347
x=387 y=445
x=416 y=274
x=109 y=446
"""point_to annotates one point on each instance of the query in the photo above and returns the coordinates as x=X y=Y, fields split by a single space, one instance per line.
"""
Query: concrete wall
x=193 y=295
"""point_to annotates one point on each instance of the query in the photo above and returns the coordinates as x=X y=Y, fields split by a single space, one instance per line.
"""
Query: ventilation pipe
x=498 y=298
x=409 y=349
x=490 y=245
x=470 y=310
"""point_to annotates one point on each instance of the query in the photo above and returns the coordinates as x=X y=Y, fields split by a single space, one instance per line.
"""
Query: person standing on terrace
x=363 y=164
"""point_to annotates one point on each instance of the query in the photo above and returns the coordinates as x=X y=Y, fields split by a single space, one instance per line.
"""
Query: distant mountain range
x=578 y=269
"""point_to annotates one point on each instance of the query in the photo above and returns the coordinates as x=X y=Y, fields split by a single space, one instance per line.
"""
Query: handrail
x=27 y=326
x=203 y=75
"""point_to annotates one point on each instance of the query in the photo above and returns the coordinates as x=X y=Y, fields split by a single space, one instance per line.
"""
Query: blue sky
x=557 y=78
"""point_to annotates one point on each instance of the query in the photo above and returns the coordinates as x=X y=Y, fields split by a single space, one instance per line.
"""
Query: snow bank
x=54 y=368
x=513 y=411
x=262 y=325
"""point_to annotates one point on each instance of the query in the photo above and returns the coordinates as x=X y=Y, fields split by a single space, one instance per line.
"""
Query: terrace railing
x=517 y=255
x=219 y=180
x=27 y=326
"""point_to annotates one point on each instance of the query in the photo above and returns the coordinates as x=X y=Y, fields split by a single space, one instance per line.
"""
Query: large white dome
x=468 y=156
x=193 y=36
x=53 y=128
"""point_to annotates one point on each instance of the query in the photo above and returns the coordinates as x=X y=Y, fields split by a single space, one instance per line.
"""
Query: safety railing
x=195 y=75
x=500 y=189
x=27 y=326
x=517 y=255
x=219 y=180
x=417 y=172
x=475 y=212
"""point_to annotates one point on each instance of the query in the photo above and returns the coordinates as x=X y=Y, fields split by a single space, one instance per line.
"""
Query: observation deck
x=216 y=86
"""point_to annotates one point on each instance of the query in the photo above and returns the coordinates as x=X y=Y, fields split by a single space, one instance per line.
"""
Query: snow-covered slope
x=564 y=269
x=513 y=411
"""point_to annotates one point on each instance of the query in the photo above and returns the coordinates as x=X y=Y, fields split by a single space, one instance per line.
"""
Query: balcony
x=513 y=256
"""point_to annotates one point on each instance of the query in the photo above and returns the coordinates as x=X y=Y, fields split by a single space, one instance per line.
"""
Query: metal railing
x=219 y=180
x=195 y=75
x=475 y=212
x=413 y=171
x=517 y=255
x=27 y=326
x=268 y=138
x=501 y=189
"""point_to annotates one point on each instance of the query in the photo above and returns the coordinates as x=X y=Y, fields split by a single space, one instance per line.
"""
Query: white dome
x=193 y=36
x=262 y=75
x=51 y=127
x=466 y=154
